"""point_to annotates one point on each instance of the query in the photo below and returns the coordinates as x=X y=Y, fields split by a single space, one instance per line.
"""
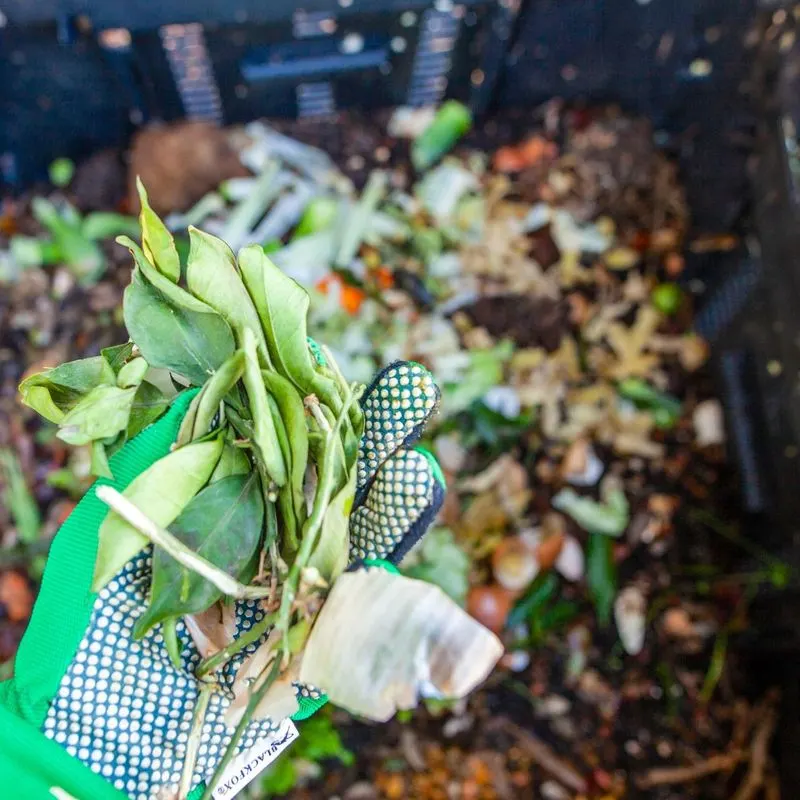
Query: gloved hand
x=118 y=706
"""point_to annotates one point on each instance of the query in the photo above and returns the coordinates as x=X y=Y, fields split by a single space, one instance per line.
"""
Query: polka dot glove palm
x=118 y=705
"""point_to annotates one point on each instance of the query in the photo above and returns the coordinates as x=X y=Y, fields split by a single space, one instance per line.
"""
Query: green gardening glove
x=93 y=713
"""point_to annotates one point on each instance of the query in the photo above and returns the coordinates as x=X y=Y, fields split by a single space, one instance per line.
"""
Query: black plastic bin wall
x=77 y=75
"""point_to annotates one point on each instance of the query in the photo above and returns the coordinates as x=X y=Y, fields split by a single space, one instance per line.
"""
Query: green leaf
x=83 y=256
x=212 y=276
x=282 y=306
x=53 y=393
x=99 y=465
x=485 y=370
x=558 y=615
x=28 y=251
x=233 y=461
x=205 y=405
x=18 y=498
x=293 y=416
x=610 y=518
x=173 y=329
x=148 y=405
x=265 y=436
x=157 y=241
x=442 y=562
x=280 y=777
x=223 y=525
x=534 y=600
x=102 y=414
x=331 y=553
x=169 y=631
x=132 y=373
x=162 y=491
x=117 y=355
x=601 y=575
x=320 y=740
x=665 y=407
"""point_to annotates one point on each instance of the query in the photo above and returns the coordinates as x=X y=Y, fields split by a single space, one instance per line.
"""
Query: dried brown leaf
x=383 y=639
x=212 y=630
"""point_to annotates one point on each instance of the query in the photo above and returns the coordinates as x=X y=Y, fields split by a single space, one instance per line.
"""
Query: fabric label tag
x=249 y=765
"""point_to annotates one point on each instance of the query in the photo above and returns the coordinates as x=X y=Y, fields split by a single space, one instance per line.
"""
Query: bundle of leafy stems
x=269 y=448
x=281 y=619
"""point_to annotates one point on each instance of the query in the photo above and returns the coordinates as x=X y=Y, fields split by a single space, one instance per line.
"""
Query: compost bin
x=716 y=79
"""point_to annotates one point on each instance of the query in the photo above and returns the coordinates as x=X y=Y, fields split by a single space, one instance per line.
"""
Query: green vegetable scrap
x=61 y=172
x=319 y=741
x=79 y=252
x=319 y=215
x=452 y=121
x=441 y=561
x=601 y=575
x=609 y=517
x=667 y=298
x=665 y=408
x=73 y=239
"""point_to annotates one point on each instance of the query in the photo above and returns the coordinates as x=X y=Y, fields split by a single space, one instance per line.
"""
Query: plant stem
x=313 y=525
x=175 y=548
x=252 y=704
x=193 y=745
x=334 y=367
x=312 y=404
x=311 y=531
x=217 y=660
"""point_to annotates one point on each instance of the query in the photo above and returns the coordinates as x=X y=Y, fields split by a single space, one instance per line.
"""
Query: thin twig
x=544 y=756
x=759 y=755
x=252 y=704
x=218 y=659
x=665 y=776
x=175 y=548
x=262 y=564
x=193 y=745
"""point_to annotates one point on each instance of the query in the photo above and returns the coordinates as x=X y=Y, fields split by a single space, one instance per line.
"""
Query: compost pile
x=534 y=265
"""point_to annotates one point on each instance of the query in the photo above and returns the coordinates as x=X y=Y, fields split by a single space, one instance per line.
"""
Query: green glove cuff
x=65 y=597
x=29 y=762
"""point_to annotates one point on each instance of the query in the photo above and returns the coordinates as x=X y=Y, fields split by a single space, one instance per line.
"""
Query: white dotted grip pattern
x=125 y=711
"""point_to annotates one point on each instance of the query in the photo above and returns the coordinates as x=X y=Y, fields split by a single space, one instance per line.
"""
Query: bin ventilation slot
x=727 y=301
x=733 y=365
x=439 y=32
x=188 y=59
x=315 y=99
